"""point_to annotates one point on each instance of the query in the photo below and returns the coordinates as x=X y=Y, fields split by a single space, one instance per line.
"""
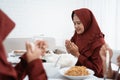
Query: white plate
x=63 y=70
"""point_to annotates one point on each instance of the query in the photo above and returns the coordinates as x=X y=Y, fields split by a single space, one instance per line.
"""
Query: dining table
x=15 y=59
x=60 y=77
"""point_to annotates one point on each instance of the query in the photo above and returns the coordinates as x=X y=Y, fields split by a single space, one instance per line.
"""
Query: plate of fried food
x=18 y=52
x=76 y=72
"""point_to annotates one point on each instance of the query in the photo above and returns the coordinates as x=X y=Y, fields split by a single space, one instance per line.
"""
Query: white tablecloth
x=15 y=59
x=60 y=77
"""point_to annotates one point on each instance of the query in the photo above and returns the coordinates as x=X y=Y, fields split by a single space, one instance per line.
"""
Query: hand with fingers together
x=72 y=48
x=103 y=50
x=35 y=50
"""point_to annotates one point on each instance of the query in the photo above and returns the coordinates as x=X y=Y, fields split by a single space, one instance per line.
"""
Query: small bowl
x=51 y=69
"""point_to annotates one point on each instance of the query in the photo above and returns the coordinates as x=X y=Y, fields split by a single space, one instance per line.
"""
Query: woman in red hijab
x=30 y=63
x=86 y=41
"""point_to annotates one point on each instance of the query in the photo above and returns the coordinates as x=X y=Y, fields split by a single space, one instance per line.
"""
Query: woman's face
x=79 y=27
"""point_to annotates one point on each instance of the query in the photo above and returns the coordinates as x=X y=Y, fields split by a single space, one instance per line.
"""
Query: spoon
x=57 y=61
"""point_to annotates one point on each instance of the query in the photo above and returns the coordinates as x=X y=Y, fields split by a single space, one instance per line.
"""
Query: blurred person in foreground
x=111 y=74
x=30 y=63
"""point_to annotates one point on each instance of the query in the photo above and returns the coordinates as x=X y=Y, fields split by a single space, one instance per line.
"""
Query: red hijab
x=6 y=25
x=92 y=33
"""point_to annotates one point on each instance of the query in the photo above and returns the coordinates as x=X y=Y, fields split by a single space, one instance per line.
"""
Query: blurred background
x=52 y=18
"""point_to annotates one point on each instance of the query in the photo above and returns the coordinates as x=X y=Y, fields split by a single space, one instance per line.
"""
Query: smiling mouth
x=78 y=30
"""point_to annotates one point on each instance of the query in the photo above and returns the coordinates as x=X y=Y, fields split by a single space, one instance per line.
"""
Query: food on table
x=77 y=71
x=19 y=52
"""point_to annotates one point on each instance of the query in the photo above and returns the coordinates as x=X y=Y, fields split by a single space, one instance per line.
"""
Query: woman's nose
x=76 y=26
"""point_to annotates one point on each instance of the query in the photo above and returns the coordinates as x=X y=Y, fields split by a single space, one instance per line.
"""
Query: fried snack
x=77 y=71
x=19 y=52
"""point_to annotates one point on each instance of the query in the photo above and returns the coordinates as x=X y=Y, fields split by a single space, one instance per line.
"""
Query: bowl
x=51 y=69
x=66 y=60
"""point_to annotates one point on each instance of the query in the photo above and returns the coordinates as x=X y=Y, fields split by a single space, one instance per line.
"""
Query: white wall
x=53 y=18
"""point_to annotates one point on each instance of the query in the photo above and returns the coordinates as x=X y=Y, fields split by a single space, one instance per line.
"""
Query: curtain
x=107 y=13
x=56 y=14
